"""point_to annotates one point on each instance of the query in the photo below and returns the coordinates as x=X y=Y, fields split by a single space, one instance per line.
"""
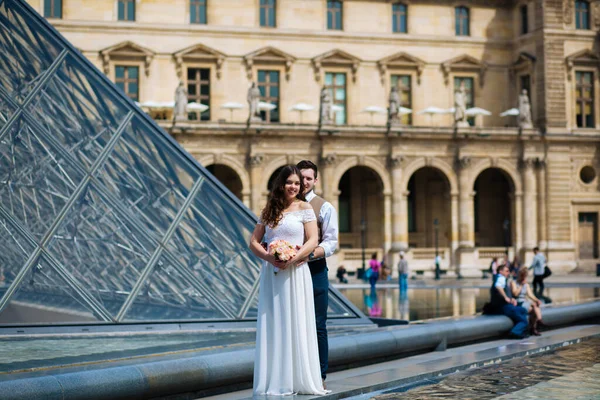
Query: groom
x=327 y=222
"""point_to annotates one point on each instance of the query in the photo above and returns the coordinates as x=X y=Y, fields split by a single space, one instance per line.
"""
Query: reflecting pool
x=427 y=303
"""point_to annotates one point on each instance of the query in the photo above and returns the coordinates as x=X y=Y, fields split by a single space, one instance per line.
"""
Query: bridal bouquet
x=282 y=250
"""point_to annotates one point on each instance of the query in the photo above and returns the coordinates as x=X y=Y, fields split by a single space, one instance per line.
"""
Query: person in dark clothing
x=501 y=303
x=341 y=272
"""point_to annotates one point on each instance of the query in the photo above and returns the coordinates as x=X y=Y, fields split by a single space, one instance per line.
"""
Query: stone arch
x=269 y=169
x=369 y=162
x=230 y=162
x=504 y=165
x=436 y=163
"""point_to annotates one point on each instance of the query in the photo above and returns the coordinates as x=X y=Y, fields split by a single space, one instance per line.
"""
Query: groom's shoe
x=324 y=385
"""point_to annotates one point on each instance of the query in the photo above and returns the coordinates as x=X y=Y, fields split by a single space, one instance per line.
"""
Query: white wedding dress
x=287 y=355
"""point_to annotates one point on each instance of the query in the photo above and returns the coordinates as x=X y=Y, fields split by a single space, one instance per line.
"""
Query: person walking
x=538 y=265
x=403 y=273
x=375 y=267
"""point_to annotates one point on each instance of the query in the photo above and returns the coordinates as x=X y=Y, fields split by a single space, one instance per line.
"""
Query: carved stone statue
x=460 y=107
x=394 y=107
x=325 y=110
x=253 y=99
x=181 y=100
x=524 y=110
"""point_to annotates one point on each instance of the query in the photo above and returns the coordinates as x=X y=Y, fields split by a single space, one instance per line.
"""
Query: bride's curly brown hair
x=273 y=211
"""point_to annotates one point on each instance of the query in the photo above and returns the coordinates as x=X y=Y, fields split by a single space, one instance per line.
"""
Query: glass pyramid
x=103 y=217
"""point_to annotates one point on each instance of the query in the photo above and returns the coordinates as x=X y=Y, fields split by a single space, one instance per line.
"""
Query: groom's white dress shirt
x=329 y=225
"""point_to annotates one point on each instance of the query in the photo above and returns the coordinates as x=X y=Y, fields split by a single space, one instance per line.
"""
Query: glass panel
x=274 y=91
x=14 y=252
x=147 y=178
x=35 y=179
x=6 y=111
x=132 y=72
x=262 y=75
x=191 y=73
x=340 y=94
x=24 y=53
x=121 y=10
x=263 y=15
x=328 y=79
x=47 y=8
x=101 y=249
x=119 y=72
x=192 y=90
x=340 y=79
x=193 y=9
x=205 y=74
x=272 y=17
x=77 y=112
x=340 y=117
x=203 y=17
x=133 y=90
x=169 y=295
x=204 y=89
x=131 y=10
x=45 y=297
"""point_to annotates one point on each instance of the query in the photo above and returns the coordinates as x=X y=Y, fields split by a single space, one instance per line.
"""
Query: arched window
x=582 y=14
x=399 y=18
x=462 y=21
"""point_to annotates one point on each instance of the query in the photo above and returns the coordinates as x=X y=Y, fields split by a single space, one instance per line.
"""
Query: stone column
x=530 y=215
x=399 y=207
x=256 y=175
x=387 y=221
x=466 y=264
x=541 y=193
x=517 y=223
x=326 y=176
x=454 y=233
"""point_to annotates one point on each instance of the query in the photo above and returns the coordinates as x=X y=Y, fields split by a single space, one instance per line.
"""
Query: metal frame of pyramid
x=104 y=218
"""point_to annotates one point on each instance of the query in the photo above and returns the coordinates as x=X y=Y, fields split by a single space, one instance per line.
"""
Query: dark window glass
x=267 y=13
x=462 y=21
x=198 y=11
x=198 y=87
x=53 y=8
x=403 y=83
x=127 y=79
x=524 y=20
x=334 y=15
x=126 y=10
x=582 y=15
x=399 y=18
x=584 y=94
x=470 y=91
x=268 y=84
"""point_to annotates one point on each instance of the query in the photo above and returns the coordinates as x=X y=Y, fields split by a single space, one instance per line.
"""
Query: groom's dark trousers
x=320 y=279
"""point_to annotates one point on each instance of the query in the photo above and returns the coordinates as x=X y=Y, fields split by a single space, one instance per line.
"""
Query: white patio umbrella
x=432 y=111
x=263 y=106
x=475 y=111
x=231 y=105
x=193 y=106
x=511 y=112
x=158 y=104
x=374 y=110
x=404 y=110
x=301 y=107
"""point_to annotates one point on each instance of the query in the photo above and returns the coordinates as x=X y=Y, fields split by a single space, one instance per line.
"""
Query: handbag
x=547 y=271
x=368 y=273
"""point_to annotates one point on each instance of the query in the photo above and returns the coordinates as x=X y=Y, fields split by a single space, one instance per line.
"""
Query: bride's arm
x=257 y=249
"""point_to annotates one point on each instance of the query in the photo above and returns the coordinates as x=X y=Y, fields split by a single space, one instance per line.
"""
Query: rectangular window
x=469 y=90
x=585 y=99
x=126 y=10
x=336 y=84
x=403 y=83
x=198 y=86
x=198 y=11
x=127 y=79
x=524 y=20
x=267 y=13
x=462 y=21
x=53 y=8
x=334 y=15
x=582 y=15
x=268 y=84
x=399 y=18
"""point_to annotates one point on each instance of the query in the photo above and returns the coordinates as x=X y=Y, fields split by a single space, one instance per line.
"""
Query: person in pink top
x=375 y=267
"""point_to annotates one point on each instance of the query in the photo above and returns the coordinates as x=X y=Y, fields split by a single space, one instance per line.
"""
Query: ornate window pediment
x=523 y=63
x=336 y=58
x=464 y=63
x=268 y=56
x=198 y=53
x=126 y=51
x=401 y=60
x=585 y=58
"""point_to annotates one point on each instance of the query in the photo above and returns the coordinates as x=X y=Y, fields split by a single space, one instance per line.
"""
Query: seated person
x=341 y=272
x=501 y=303
x=526 y=299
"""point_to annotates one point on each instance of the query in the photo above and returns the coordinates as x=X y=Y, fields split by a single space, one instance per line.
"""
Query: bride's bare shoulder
x=304 y=205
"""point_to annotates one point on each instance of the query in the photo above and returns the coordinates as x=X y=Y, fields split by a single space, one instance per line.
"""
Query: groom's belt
x=317 y=265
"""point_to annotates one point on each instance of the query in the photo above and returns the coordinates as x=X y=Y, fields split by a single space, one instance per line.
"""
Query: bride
x=287 y=355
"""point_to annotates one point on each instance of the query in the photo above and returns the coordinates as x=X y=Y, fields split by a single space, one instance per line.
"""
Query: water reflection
x=419 y=304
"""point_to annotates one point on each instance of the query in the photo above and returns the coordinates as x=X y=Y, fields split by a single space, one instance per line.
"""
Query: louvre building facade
x=471 y=192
